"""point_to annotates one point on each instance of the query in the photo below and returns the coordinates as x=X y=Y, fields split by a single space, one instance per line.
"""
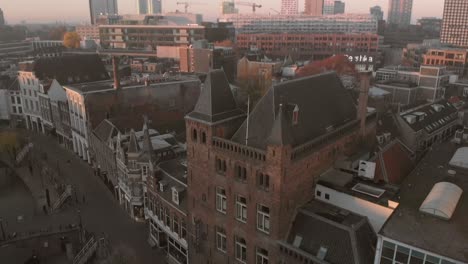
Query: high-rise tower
x=106 y=7
x=399 y=12
x=289 y=7
x=454 y=23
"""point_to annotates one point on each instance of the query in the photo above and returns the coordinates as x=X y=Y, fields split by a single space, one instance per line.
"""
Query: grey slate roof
x=433 y=119
x=281 y=134
x=71 y=69
x=105 y=130
x=216 y=101
x=133 y=146
x=323 y=103
x=348 y=237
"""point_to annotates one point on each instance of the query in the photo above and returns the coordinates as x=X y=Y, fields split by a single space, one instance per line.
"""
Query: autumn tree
x=71 y=40
x=339 y=63
x=57 y=33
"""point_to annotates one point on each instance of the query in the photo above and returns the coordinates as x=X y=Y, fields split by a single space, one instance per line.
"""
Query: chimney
x=363 y=98
x=115 y=68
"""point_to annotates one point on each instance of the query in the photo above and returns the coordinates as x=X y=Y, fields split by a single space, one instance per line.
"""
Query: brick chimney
x=363 y=99
x=115 y=68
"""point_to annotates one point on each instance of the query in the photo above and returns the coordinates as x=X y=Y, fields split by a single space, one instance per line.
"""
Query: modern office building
x=317 y=46
x=342 y=23
x=313 y=7
x=98 y=7
x=328 y=7
x=333 y=7
x=149 y=7
x=399 y=12
x=339 y=7
x=88 y=31
x=455 y=59
x=228 y=7
x=455 y=18
x=289 y=7
x=2 y=18
x=377 y=12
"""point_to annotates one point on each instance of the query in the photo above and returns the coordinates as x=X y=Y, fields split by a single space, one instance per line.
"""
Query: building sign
x=360 y=58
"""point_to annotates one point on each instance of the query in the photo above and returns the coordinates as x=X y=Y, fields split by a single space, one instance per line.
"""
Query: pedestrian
x=44 y=208
x=84 y=199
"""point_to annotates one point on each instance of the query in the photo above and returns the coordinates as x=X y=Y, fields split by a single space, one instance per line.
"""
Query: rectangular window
x=263 y=181
x=183 y=229
x=262 y=256
x=263 y=218
x=416 y=257
x=13 y=99
x=221 y=240
x=175 y=196
x=144 y=170
x=241 y=208
x=241 y=173
x=221 y=200
x=20 y=110
x=241 y=250
x=14 y=109
x=175 y=224
x=168 y=217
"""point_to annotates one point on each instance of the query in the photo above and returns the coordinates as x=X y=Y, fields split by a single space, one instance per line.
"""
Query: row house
x=425 y=125
x=247 y=175
x=36 y=78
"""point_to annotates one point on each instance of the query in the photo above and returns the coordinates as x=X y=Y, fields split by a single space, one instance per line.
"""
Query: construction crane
x=253 y=5
x=188 y=4
x=274 y=10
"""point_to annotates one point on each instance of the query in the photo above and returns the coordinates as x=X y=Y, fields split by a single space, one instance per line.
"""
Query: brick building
x=313 y=45
x=455 y=59
x=247 y=176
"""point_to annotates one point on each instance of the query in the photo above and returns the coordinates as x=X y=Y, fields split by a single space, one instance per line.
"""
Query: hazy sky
x=78 y=10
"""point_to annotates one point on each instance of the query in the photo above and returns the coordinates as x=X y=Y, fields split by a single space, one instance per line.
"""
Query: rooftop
x=379 y=193
x=430 y=117
x=344 y=237
x=407 y=224
x=70 y=69
x=322 y=104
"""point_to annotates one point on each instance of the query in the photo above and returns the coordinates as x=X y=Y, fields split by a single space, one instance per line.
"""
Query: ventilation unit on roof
x=366 y=169
x=322 y=253
x=411 y=119
x=368 y=190
x=437 y=107
x=297 y=241
x=380 y=139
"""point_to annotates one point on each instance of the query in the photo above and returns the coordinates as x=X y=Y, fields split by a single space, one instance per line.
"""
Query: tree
x=338 y=63
x=57 y=33
x=71 y=40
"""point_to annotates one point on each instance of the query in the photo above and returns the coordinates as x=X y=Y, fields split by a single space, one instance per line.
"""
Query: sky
x=42 y=11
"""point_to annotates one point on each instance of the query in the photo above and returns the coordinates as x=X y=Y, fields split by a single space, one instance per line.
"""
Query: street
x=101 y=212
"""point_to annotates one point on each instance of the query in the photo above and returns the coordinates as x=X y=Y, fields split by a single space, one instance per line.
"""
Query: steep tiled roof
x=133 y=146
x=216 y=101
x=281 y=134
x=393 y=163
x=348 y=237
x=432 y=118
x=323 y=102
x=105 y=130
x=71 y=69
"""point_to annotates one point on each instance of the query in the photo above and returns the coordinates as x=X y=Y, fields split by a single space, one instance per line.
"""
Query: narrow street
x=100 y=212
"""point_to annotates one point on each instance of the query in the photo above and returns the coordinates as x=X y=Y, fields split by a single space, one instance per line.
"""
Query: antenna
x=248 y=119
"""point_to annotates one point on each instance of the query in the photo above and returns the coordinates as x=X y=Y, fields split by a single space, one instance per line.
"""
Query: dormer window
x=162 y=186
x=295 y=117
x=175 y=195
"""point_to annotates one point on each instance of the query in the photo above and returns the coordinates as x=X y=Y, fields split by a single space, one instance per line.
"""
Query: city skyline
x=79 y=12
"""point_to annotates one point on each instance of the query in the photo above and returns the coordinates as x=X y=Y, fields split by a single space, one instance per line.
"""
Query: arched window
x=194 y=135
x=203 y=137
